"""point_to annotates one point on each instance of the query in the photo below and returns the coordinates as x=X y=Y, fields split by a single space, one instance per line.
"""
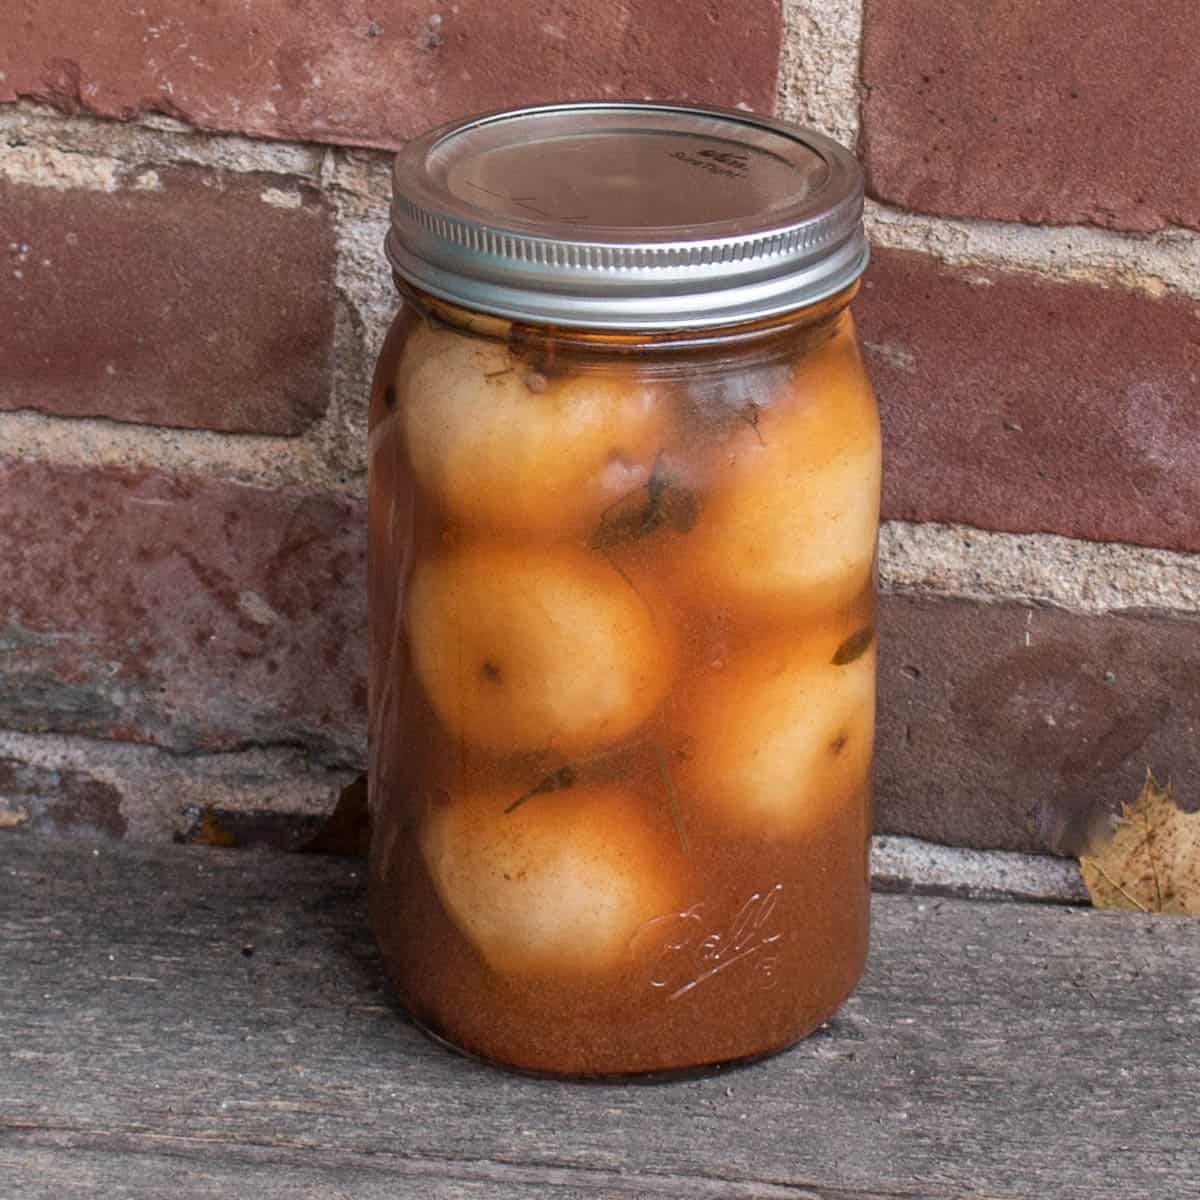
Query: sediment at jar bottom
x=761 y=954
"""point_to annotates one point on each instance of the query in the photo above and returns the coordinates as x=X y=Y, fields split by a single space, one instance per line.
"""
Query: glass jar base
x=652 y=1076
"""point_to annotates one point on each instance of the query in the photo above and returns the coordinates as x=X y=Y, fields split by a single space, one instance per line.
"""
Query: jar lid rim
x=627 y=215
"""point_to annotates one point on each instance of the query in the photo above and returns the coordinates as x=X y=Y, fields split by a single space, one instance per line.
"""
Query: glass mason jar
x=625 y=470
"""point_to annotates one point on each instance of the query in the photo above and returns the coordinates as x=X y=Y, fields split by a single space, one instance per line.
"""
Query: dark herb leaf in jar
x=855 y=646
x=556 y=781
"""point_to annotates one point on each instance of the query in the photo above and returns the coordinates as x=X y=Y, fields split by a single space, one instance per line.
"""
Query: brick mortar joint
x=819 y=78
x=901 y=863
x=1165 y=262
x=256 y=460
x=1037 y=570
x=356 y=176
x=1031 y=601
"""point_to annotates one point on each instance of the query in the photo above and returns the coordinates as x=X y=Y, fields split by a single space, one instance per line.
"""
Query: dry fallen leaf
x=1152 y=861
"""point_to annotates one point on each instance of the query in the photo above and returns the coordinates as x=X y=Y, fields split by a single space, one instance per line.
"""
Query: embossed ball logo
x=690 y=952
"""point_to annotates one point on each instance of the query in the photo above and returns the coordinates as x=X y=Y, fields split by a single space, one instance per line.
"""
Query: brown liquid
x=738 y=928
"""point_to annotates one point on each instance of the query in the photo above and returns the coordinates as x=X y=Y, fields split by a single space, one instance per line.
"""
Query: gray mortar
x=818 y=70
x=1153 y=264
x=1091 y=577
x=156 y=140
x=911 y=865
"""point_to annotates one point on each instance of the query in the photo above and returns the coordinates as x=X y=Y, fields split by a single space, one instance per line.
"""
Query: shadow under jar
x=625 y=470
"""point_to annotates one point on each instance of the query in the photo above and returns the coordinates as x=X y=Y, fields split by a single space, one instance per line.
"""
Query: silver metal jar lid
x=627 y=216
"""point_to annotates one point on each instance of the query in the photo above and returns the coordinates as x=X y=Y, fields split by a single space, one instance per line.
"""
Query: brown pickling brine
x=624 y=476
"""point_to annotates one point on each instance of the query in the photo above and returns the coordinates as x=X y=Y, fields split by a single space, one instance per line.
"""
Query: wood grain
x=187 y=1022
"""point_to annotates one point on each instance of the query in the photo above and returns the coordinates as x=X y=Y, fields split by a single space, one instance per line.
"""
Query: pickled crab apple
x=501 y=446
x=790 y=516
x=1151 y=861
x=778 y=740
x=535 y=649
x=560 y=885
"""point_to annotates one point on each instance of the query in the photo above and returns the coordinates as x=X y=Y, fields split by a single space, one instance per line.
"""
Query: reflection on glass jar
x=622 y=643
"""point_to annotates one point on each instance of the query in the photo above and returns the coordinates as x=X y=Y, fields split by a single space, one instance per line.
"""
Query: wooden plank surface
x=193 y=1022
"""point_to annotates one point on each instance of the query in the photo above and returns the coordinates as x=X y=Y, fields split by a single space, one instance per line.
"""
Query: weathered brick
x=376 y=74
x=1050 y=112
x=83 y=786
x=183 y=297
x=1008 y=727
x=63 y=801
x=1014 y=403
x=191 y=613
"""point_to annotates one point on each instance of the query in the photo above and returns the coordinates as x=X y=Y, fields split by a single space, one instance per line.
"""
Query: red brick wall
x=358 y=74
x=191 y=203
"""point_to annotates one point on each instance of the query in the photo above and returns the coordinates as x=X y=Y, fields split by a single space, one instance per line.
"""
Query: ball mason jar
x=624 y=501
